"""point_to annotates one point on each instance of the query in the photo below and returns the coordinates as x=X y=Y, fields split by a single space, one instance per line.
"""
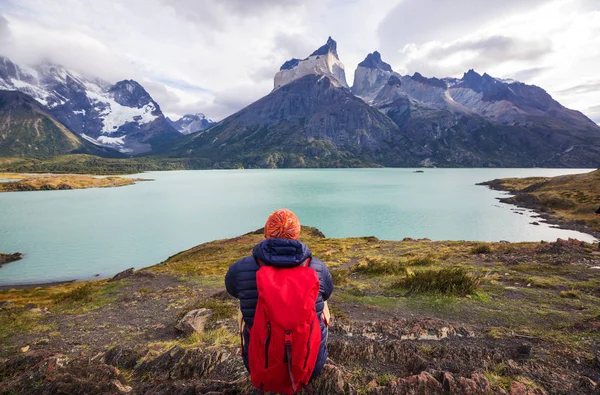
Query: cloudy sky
x=217 y=56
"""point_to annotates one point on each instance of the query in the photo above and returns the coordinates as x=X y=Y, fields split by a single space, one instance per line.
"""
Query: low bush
x=378 y=266
x=452 y=281
x=426 y=260
x=340 y=277
x=80 y=294
x=571 y=294
x=481 y=249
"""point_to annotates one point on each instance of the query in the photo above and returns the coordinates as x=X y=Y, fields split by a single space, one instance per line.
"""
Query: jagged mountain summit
x=27 y=129
x=324 y=61
x=312 y=119
x=191 y=123
x=122 y=116
x=479 y=120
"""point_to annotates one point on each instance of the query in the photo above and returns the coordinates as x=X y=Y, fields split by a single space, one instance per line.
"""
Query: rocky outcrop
x=194 y=321
x=322 y=62
x=59 y=375
x=182 y=364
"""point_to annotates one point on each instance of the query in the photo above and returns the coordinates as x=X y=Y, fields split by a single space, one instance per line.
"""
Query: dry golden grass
x=35 y=182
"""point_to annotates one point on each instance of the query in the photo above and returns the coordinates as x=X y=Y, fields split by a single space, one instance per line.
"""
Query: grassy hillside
x=89 y=164
x=411 y=316
x=570 y=198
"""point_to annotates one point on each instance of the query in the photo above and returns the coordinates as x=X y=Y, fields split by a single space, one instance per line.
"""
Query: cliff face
x=308 y=122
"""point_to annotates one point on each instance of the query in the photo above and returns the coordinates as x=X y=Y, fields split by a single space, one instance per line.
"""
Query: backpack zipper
x=308 y=345
x=267 y=341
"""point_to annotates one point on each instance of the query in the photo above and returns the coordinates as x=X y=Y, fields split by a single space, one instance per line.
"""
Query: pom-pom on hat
x=282 y=224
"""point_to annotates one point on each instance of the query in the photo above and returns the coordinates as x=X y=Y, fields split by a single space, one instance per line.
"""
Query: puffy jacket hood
x=281 y=252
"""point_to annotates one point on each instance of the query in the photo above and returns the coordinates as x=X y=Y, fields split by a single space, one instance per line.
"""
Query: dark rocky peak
x=330 y=46
x=7 y=68
x=373 y=61
x=435 y=82
x=471 y=77
x=394 y=81
x=129 y=93
x=15 y=100
x=290 y=64
x=491 y=88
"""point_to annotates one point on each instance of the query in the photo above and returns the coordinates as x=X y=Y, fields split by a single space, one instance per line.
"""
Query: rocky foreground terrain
x=411 y=317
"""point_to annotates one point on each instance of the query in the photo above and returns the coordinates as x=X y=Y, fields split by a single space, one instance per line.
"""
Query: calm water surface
x=77 y=234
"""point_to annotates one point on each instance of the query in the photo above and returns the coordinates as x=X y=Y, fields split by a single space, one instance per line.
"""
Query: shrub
x=426 y=260
x=453 y=281
x=340 y=277
x=481 y=249
x=79 y=294
x=572 y=294
x=378 y=266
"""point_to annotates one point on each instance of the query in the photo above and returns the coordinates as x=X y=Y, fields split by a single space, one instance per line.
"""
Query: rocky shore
x=509 y=318
x=568 y=202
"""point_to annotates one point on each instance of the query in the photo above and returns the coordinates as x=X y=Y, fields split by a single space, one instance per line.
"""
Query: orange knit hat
x=282 y=224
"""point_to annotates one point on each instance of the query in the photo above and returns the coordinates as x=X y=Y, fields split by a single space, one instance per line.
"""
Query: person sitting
x=283 y=291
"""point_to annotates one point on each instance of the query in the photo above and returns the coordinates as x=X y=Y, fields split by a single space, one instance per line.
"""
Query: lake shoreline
x=522 y=199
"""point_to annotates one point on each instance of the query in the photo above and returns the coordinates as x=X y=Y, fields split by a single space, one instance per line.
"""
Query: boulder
x=124 y=274
x=194 y=321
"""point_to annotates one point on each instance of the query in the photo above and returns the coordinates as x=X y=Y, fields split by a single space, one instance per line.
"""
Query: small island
x=7 y=258
x=50 y=182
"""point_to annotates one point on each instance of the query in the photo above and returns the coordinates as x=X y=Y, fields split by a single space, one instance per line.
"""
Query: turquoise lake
x=80 y=233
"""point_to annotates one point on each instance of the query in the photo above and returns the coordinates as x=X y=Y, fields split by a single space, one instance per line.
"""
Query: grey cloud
x=594 y=113
x=591 y=86
x=218 y=14
x=419 y=21
x=295 y=45
x=490 y=51
x=4 y=29
x=529 y=74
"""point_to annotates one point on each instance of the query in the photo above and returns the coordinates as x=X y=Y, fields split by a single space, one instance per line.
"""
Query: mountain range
x=312 y=118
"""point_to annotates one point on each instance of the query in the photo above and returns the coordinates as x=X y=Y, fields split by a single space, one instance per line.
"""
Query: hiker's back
x=286 y=336
x=287 y=292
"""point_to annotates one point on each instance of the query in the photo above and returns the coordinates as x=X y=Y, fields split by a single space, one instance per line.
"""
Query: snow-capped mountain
x=191 y=123
x=122 y=116
x=324 y=61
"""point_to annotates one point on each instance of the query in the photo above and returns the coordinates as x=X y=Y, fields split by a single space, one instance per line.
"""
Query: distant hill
x=27 y=129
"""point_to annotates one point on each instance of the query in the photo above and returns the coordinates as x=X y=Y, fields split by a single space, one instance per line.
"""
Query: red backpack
x=286 y=335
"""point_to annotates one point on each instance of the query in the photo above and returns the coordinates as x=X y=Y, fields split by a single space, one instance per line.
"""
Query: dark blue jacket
x=240 y=282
